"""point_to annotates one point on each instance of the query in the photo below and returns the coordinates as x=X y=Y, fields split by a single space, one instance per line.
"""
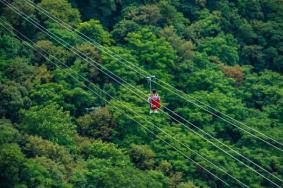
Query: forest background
x=65 y=123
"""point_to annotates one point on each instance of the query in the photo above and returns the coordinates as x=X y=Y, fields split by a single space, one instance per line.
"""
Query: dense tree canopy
x=64 y=122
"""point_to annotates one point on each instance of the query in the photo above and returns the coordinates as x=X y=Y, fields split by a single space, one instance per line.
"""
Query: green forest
x=74 y=93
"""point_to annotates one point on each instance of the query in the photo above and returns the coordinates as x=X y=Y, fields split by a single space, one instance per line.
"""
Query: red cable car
x=154 y=99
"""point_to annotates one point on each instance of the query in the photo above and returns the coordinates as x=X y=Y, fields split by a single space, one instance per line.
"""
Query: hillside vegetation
x=73 y=93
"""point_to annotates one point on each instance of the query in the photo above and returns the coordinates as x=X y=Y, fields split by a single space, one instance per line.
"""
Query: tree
x=55 y=133
x=35 y=146
x=36 y=175
x=49 y=122
x=142 y=156
x=68 y=95
x=123 y=69
x=89 y=51
x=41 y=171
x=9 y=45
x=185 y=49
x=152 y=52
x=224 y=47
x=276 y=110
x=250 y=9
x=78 y=100
x=157 y=14
x=42 y=75
x=236 y=72
x=101 y=173
x=187 y=185
x=147 y=14
x=208 y=25
x=182 y=167
x=62 y=36
x=55 y=54
x=122 y=28
x=97 y=124
x=105 y=151
x=269 y=34
x=11 y=161
x=172 y=17
x=267 y=91
x=105 y=10
x=229 y=105
x=61 y=10
x=94 y=30
x=205 y=80
x=21 y=72
x=253 y=55
x=15 y=14
x=13 y=97
x=272 y=9
x=8 y=134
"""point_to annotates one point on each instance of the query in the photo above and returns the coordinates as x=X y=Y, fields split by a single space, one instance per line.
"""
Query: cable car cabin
x=154 y=102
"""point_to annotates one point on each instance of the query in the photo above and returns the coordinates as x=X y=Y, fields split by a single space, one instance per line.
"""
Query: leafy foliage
x=50 y=122
x=58 y=129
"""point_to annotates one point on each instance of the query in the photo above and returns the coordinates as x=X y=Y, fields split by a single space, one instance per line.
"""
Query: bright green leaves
x=199 y=54
x=107 y=166
x=49 y=122
x=48 y=163
x=265 y=97
x=123 y=69
x=94 y=30
x=64 y=37
x=107 y=151
x=224 y=47
x=103 y=173
x=77 y=99
x=42 y=171
x=206 y=80
x=37 y=175
x=72 y=98
x=152 y=52
x=46 y=93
